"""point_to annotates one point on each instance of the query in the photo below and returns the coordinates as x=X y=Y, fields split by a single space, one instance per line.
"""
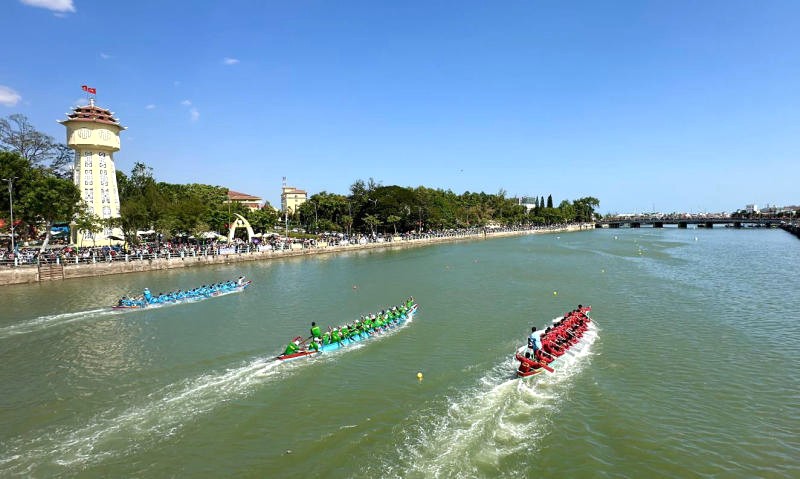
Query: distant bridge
x=706 y=222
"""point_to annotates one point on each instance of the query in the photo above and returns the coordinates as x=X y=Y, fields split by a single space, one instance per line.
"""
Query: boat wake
x=492 y=429
x=52 y=320
x=122 y=431
x=119 y=432
x=48 y=321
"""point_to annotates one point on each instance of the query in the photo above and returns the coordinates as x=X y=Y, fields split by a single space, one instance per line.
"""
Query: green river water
x=694 y=371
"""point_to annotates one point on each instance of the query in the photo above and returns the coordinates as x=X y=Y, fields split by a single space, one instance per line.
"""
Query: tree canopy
x=43 y=195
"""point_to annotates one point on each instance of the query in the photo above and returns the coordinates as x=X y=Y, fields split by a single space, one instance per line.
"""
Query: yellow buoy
x=419 y=376
x=555 y=293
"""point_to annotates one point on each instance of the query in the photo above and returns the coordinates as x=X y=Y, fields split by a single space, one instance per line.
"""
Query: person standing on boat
x=533 y=342
x=240 y=281
x=147 y=295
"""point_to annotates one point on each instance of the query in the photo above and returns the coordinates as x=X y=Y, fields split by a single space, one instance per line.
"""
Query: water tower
x=93 y=133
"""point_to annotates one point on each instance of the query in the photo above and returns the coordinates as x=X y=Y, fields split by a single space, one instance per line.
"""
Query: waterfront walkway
x=65 y=266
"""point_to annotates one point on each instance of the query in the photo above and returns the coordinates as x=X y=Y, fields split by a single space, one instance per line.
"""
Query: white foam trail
x=44 y=322
x=497 y=418
x=117 y=433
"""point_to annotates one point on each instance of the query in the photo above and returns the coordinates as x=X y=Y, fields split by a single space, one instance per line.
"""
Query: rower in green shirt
x=315 y=331
x=292 y=347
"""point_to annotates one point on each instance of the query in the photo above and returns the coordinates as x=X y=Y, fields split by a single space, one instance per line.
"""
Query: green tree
x=584 y=208
x=51 y=199
x=15 y=167
x=88 y=223
x=567 y=211
x=393 y=219
x=347 y=222
x=549 y=201
x=263 y=220
x=372 y=222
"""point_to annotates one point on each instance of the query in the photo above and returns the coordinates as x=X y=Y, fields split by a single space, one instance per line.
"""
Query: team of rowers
x=368 y=324
x=205 y=291
x=546 y=346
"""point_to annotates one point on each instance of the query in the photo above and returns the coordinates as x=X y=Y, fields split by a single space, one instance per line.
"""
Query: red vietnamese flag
x=89 y=89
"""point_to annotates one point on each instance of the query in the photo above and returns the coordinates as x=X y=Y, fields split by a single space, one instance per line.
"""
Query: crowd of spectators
x=69 y=254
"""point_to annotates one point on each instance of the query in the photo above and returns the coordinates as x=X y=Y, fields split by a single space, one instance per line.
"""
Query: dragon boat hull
x=333 y=346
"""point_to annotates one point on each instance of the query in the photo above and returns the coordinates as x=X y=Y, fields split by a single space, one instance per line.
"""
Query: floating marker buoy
x=419 y=376
x=355 y=287
x=555 y=293
x=602 y=271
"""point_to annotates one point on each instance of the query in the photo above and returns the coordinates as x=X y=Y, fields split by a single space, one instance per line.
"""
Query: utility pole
x=11 y=204
x=285 y=208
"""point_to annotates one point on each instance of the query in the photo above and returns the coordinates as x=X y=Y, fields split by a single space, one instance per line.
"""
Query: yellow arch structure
x=240 y=222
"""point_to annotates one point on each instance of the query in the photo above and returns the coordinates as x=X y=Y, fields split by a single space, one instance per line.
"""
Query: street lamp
x=11 y=204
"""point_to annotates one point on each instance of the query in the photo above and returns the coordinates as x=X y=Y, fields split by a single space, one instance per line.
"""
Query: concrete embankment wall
x=793 y=229
x=70 y=271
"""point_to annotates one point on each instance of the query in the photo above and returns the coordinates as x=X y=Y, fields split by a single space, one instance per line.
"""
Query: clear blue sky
x=673 y=105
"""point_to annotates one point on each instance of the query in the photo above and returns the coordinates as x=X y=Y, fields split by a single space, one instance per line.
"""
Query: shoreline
x=32 y=275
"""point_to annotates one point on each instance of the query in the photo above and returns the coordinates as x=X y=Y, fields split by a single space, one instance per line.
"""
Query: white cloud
x=186 y=103
x=150 y=107
x=105 y=56
x=194 y=114
x=80 y=102
x=229 y=61
x=9 y=97
x=53 y=5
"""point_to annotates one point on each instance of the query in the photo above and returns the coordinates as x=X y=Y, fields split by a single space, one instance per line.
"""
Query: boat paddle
x=547 y=368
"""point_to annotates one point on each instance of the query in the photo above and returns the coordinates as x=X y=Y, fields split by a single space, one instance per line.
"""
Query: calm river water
x=694 y=372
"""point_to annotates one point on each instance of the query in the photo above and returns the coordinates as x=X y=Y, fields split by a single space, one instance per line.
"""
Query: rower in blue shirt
x=534 y=342
x=147 y=295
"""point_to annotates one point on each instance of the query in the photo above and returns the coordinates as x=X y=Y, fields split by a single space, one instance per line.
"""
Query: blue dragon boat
x=181 y=297
x=332 y=345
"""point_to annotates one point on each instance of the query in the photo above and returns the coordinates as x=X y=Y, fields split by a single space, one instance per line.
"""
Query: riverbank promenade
x=58 y=268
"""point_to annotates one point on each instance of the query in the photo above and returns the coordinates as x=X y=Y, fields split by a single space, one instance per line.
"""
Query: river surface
x=693 y=372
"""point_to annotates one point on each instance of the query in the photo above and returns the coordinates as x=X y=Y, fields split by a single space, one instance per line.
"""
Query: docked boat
x=180 y=297
x=568 y=335
x=330 y=343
